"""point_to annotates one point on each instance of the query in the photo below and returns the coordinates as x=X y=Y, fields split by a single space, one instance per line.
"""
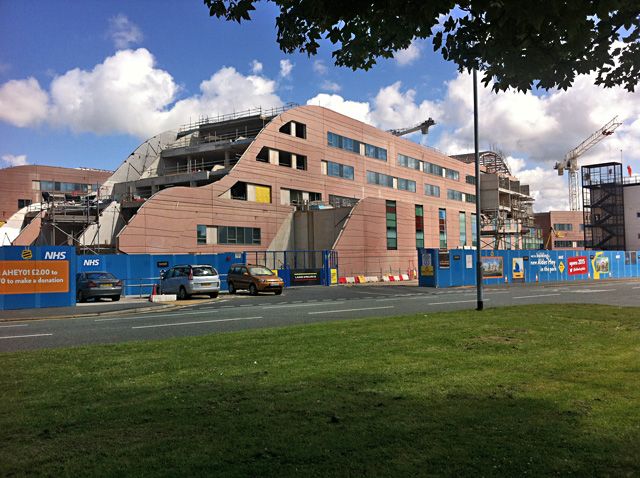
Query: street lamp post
x=480 y=301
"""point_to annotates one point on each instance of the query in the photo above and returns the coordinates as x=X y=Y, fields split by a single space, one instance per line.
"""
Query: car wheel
x=115 y=298
x=279 y=292
x=253 y=290
x=232 y=288
x=182 y=294
x=213 y=295
x=80 y=297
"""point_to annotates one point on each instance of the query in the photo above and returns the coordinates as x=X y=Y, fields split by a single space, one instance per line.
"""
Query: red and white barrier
x=369 y=279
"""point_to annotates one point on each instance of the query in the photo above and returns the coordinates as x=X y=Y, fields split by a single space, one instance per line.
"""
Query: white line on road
x=534 y=296
x=143 y=316
x=455 y=302
x=316 y=304
x=587 y=291
x=636 y=287
x=24 y=336
x=14 y=325
x=350 y=310
x=194 y=322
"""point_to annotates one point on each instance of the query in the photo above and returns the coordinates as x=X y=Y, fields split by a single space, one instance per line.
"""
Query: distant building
x=21 y=186
x=561 y=229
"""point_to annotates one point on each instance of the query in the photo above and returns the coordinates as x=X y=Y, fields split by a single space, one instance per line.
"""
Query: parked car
x=188 y=280
x=253 y=278
x=96 y=285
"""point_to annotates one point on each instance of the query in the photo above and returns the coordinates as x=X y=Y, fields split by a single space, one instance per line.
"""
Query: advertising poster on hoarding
x=577 y=265
x=492 y=267
x=34 y=277
x=600 y=264
x=517 y=271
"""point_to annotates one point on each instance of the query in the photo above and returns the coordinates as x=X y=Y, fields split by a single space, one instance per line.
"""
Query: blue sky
x=82 y=83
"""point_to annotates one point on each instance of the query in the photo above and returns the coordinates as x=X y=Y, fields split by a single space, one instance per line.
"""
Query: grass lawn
x=535 y=390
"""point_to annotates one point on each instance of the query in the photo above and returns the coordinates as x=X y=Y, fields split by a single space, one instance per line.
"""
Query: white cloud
x=408 y=55
x=395 y=109
x=330 y=86
x=285 y=68
x=123 y=32
x=12 y=160
x=128 y=94
x=256 y=67
x=22 y=102
x=320 y=68
x=354 y=109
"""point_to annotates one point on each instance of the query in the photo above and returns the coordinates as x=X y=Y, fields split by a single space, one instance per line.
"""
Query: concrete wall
x=318 y=230
x=632 y=217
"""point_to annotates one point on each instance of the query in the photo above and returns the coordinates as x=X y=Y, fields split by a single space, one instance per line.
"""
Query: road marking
x=587 y=291
x=455 y=302
x=534 y=296
x=143 y=316
x=24 y=336
x=350 y=310
x=14 y=325
x=194 y=322
x=636 y=287
x=315 y=304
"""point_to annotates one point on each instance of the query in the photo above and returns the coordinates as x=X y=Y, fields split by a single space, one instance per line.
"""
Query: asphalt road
x=296 y=306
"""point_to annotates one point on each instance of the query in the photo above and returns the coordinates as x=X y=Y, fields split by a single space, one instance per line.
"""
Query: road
x=296 y=306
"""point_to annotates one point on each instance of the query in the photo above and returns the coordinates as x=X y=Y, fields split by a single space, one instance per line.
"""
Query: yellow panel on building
x=263 y=194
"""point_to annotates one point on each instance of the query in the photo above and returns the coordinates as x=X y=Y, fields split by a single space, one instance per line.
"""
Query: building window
x=379 y=179
x=57 y=186
x=431 y=190
x=474 y=231
x=238 y=235
x=293 y=128
x=409 y=162
x=392 y=225
x=35 y=185
x=263 y=155
x=23 y=203
x=442 y=227
x=581 y=227
x=342 y=142
x=454 y=195
x=463 y=229
x=375 y=152
x=470 y=179
x=470 y=198
x=341 y=201
x=563 y=227
x=563 y=243
x=337 y=170
x=434 y=169
x=419 y=226
x=201 y=234
x=296 y=197
x=406 y=185
x=452 y=174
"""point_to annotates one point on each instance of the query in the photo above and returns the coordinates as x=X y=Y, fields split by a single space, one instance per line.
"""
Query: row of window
x=355 y=146
x=427 y=167
x=227 y=235
x=385 y=180
x=566 y=227
x=282 y=158
x=568 y=243
x=59 y=186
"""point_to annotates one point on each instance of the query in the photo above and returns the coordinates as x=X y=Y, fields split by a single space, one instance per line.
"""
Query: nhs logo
x=91 y=262
x=56 y=256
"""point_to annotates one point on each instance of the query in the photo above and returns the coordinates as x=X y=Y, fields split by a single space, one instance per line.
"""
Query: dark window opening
x=301 y=162
x=285 y=159
x=263 y=155
x=239 y=191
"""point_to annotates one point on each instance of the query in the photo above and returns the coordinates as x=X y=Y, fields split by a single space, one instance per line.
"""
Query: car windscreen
x=260 y=271
x=100 y=275
x=204 y=271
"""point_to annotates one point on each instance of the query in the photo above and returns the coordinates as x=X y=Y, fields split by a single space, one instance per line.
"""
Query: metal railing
x=209 y=138
x=259 y=111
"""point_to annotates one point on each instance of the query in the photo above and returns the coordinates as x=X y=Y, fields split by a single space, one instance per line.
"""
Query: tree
x=519 y=44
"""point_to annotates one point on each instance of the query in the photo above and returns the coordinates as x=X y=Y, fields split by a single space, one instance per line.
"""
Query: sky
x=82 y=84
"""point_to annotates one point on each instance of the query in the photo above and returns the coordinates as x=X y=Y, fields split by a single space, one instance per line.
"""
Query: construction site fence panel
x=37 y=276
x=457 y=267
x=300 y=267
x=140 y=272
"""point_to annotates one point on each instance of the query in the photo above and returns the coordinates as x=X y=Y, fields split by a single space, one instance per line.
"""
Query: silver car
x=188 y=280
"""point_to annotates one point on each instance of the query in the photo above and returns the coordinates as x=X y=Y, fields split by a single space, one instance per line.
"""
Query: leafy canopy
x=520 y=44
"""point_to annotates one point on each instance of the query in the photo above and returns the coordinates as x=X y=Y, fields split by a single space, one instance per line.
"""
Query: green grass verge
x=535 y=390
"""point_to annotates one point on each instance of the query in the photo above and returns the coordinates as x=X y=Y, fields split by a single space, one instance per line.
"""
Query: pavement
x=96 y=308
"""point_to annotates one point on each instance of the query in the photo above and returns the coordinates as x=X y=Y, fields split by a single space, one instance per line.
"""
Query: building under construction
x=507 y=205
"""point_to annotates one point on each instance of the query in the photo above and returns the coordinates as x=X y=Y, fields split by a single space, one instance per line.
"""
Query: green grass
x=536 y=390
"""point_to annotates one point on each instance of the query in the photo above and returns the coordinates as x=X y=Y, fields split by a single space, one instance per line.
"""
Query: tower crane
x=570 y=161
x=422 y=127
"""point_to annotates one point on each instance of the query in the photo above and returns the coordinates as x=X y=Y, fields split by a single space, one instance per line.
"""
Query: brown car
x=253 y=278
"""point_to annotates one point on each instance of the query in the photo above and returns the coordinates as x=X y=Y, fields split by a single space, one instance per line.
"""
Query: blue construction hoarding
x=139 y=272
x=457 y=267
x=34 y=277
